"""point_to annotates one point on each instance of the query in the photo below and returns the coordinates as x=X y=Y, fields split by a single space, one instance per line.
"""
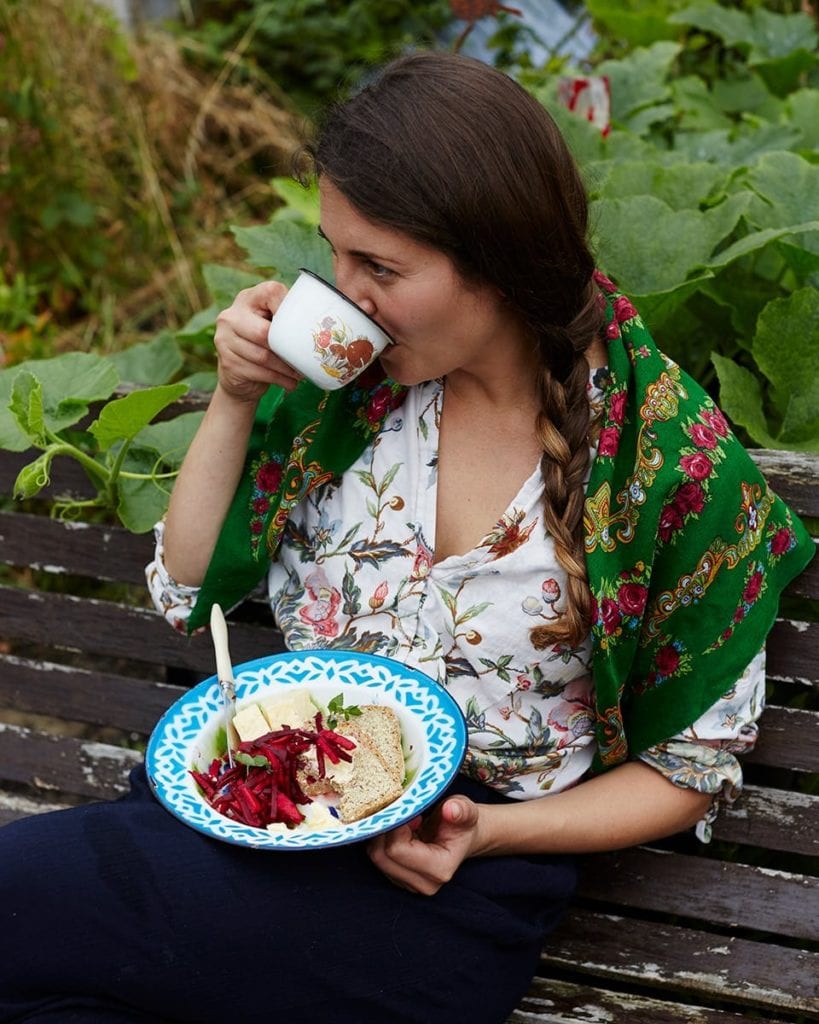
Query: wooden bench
x=675 y=933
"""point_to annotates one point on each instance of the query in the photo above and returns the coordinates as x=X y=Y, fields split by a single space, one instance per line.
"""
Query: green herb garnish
x=258 y=761
x=336 y=708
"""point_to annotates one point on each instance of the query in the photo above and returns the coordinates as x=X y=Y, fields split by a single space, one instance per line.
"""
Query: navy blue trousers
x=117 y=912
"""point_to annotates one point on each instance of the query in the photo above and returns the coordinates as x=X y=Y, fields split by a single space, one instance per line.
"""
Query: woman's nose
x=356 y=289
x=367 y=304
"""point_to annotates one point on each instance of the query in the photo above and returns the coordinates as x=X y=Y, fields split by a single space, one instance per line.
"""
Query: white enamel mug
x=323 y=334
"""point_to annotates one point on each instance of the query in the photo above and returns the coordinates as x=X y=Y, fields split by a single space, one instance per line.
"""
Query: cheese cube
x=250 y=723
x=295 y=710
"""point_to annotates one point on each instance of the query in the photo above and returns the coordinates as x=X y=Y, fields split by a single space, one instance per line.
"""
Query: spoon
x=224 y=674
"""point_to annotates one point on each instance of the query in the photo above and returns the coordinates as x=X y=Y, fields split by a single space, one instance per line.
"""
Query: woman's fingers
x=423 y=856
x=246 y=364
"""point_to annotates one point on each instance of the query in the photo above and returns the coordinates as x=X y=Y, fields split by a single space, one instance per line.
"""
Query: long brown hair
x=458 y=156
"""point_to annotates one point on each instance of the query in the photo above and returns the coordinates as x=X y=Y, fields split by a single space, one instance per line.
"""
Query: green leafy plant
x=130 y=461
x=705 y=206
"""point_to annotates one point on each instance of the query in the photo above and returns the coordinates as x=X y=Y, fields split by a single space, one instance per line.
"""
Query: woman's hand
x=247 y=367
x=424 y=854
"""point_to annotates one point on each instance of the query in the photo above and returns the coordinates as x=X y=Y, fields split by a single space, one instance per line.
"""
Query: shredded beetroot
x=261 y=795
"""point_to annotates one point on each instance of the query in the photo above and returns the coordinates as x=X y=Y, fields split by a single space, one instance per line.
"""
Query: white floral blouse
x=356 y=570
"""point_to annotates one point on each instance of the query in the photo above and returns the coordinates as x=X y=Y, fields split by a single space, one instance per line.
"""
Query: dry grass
x=168 y=156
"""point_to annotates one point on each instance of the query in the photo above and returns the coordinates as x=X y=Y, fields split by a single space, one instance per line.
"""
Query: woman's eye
x=378 y=270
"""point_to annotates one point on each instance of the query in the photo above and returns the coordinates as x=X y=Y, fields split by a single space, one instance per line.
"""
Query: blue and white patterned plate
x=432 y=728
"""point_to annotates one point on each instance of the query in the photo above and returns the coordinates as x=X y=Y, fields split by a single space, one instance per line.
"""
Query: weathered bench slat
x=793 y=476
x=787 y=736
x=730 y=894
x=791 y=652
x=112 y=553
x=106 y=628
x=774 y=819
x=98 y=698
x=697 y=963
x=553 y=1001
x=64 y=764
x=807 y=584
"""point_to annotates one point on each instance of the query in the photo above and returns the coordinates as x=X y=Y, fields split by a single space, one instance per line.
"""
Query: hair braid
x=563 y=430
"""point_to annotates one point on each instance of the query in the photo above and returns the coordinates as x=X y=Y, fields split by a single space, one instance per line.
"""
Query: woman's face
x=440 y=323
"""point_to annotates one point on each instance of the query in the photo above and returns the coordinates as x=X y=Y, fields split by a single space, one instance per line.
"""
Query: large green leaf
x=662 y=309
x=141 y=502
x=681 y=185
x=640 y=79
x=787 y=188
x=171 y=438
x=743 y=92
x=802 y=110
x=694 y=106
x=224 y=283
x=781 y=48
x=199 y=329
x=786 y=346
x=731 y=26
x=779 y=35
x=651 y=248
x=744 y=295
x=300 y=200
x=784 y=74
x=26 y=406
x=283 y=246
x=800 y=424
x=202 y=380
x=741 y=399
x=151 y=362
x=760 y=33
x=742 y=145
x=637 y=23
x=802 y=261
x=758 y=240
x=122 y=419
x=70 y=382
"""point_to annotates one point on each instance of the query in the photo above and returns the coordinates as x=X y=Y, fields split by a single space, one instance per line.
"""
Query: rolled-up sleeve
x=174 y=600
x=705 y=756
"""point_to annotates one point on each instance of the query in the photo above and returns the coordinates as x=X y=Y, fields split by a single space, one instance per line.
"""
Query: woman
x=528 y=503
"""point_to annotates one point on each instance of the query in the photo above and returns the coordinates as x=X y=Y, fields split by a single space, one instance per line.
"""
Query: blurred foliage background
x=144 y=179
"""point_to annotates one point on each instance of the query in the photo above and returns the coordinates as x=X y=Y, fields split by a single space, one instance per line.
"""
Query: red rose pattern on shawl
x=780 y=540
x=267 y=477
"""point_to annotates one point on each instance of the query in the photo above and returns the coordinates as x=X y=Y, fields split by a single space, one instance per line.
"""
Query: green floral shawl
x=687 y=548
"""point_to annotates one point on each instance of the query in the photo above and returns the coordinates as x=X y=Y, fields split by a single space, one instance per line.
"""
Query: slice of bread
x=371 y=787
x=377 y=727
x=378 y=763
